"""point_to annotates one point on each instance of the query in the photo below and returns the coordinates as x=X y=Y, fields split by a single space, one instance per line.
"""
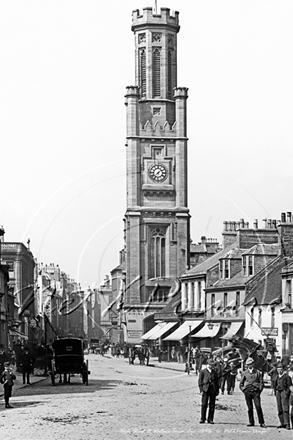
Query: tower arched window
x=156 y=73
x=143 y=72
x=158 y=253
x=170 y=68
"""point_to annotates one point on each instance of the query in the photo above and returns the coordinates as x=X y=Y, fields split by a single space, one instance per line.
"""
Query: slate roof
x=266 y=286
x=208 y=263
x=262 y=249
x=237 y=280
x=232 y=253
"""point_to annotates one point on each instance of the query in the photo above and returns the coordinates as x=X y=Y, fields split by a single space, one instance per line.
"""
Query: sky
x=64 y=68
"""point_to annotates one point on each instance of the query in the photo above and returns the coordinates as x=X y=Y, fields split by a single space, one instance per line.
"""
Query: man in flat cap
x=251 y=384
x=208 y=383
x=282 y=386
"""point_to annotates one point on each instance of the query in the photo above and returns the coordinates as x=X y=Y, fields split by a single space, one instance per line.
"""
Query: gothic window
x=157 y=254
x=170 y=67
x=143 y=72
x=156 y=73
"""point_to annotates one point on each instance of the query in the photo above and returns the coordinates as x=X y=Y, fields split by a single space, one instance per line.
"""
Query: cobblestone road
x=127 y=402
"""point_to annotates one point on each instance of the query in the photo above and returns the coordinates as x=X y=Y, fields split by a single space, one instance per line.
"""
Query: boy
x=7 y=378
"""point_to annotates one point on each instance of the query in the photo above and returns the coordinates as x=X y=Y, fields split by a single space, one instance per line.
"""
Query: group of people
x=211 y=380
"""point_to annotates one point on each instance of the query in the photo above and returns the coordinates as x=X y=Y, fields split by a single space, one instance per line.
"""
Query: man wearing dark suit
x=251 y=384
x=208 y=383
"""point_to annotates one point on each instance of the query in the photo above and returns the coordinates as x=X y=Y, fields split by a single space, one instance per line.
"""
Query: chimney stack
x=283 y=217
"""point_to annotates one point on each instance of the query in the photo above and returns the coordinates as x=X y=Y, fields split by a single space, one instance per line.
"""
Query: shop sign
x=268 y=331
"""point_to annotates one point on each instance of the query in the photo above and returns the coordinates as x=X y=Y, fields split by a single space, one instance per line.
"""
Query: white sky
x=64 y=68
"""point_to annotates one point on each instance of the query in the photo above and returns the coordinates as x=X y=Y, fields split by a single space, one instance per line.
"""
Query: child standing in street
x=7 y=378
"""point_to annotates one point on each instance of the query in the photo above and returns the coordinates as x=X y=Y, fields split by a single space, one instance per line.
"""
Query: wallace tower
x=157 y=216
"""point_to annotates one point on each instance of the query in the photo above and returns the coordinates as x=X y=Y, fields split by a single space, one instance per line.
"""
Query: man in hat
x=7 y=379
x=282 y=386
x=26 y=364
x=251 y=384
x=209 y=389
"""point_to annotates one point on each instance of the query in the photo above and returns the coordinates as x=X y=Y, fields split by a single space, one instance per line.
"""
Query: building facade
x=157 y=216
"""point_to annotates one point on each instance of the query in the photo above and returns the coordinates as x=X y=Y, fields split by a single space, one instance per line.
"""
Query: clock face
x=158 y=172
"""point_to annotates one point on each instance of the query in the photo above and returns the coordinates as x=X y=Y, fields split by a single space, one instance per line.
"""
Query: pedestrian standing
x=26 y=364
x=251 y=384
x=218 y=366
x=7 y=379
x=283 y=383
x=226 y=376
x=290 y=373
x=233 y=374
x=209 y=389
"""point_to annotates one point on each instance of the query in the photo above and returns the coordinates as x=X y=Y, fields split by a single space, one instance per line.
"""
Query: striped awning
x=185 y=329
x=162 y=331
x=207 y=332
x=232 y=330
x=153 y=330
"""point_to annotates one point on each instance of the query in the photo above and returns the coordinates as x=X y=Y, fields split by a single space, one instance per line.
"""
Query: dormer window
x=247 y=264
x=224 y=269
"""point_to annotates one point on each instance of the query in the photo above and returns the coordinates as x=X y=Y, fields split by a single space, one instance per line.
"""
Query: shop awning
x=184 y=330
x=17 y=334
x=207 y=332
x=162 y=331
x=232 y=330
x=153 y=330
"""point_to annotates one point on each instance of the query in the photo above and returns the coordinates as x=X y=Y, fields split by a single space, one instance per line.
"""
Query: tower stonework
x=157 y=216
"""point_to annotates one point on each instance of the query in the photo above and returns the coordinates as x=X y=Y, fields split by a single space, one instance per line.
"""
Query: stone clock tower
x=157 y=217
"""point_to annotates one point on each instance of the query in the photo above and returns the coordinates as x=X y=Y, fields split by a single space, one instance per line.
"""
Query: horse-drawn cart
x=69 y=359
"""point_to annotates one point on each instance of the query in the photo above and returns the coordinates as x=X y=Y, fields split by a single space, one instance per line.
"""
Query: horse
x=248 y=348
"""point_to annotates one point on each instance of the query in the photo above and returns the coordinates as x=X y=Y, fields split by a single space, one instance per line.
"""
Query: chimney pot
x=255 y=224
x=289 y=215
x=265 y=223
x=225 y=226
x=283 y=217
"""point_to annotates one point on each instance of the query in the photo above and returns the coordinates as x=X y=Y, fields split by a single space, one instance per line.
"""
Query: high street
x=125 y=401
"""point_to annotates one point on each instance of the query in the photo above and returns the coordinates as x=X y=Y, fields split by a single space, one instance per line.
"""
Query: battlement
x=158 y=130
x=148 y=18
x=180 y=92
x=132 y=91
